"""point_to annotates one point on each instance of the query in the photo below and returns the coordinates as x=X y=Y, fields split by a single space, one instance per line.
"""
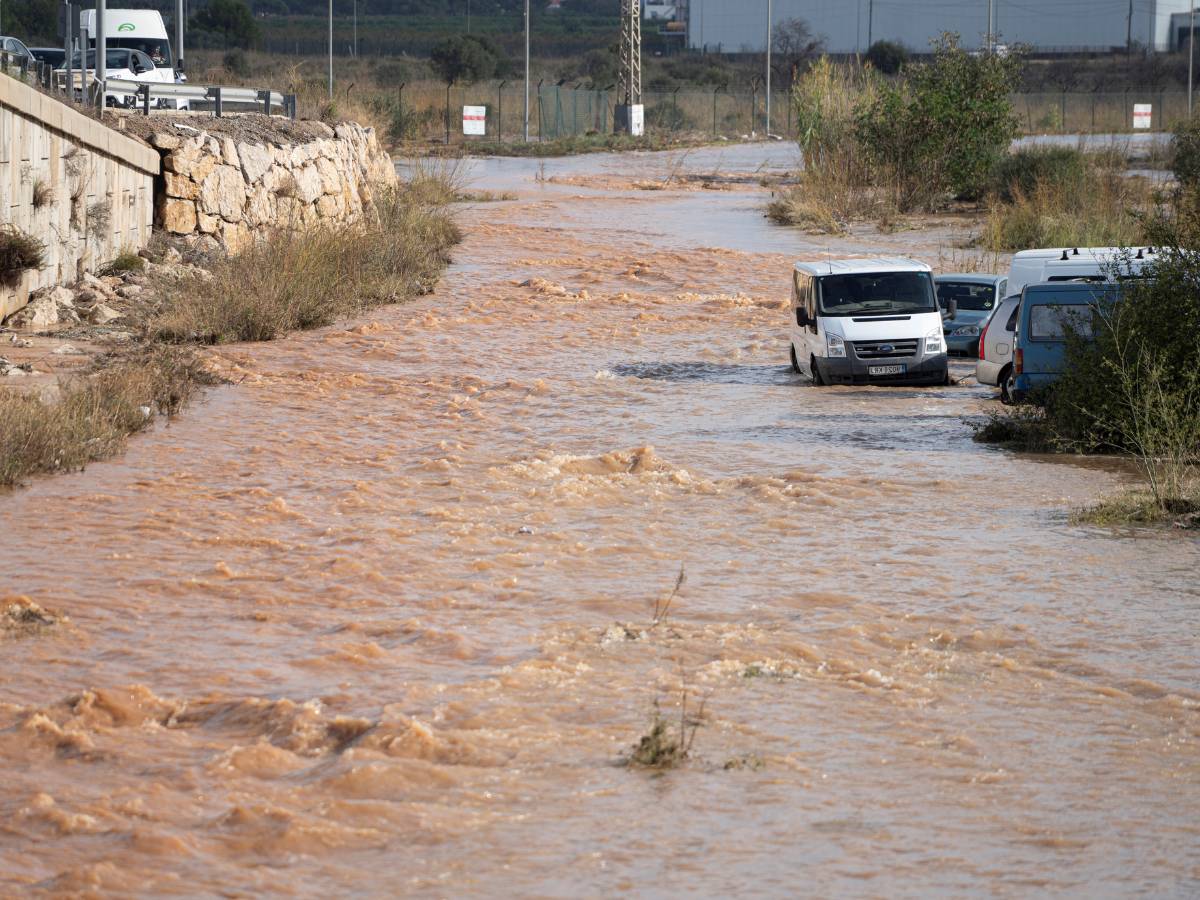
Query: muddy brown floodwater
x=347 y=627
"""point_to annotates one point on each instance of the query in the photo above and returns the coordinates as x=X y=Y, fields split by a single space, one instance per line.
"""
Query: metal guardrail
x=146 y=94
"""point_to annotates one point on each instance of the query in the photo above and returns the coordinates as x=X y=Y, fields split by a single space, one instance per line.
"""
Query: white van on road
x=867 y=321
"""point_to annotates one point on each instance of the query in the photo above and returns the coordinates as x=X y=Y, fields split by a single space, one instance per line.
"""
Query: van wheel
x=1007 y=384
x=795 y=362
x=816 y=373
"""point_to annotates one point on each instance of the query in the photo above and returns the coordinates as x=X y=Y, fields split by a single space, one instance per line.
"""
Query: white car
x=142 y=30
x=125 y=65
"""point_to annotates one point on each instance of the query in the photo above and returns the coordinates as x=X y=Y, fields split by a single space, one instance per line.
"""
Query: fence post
x=500 y=112
x=575 y=110
x=144 y=91
x=675 y=105
x=1093 y=113
x=1063 y=117
x=264 y=97
x=447 y=114
x=541 y=112
x=216 y=92
x=289 y=104
x=1162 y=99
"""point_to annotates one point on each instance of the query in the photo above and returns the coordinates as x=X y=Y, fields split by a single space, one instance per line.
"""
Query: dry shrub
x=1105 y=213
x=307 y=278
x=43 y=194
x=92 y=415
x=19 y=252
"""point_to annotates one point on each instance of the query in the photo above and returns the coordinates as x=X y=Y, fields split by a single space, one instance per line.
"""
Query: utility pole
x=527 y=71
x=331 y=49
x=991 y=26
x=1191 y=53
x=770 y=34
x=101 y=50
x=628 y=113
x=871 y=21
x=1129 y=30
x=178 y=35
x=355 y=14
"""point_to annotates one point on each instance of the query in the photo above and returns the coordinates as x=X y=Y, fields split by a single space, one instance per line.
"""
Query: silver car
x=996 y=347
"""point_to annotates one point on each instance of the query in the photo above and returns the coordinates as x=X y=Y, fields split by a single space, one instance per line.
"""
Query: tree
x=795 y=46
x=231 y=19
x=945 y=125
x=33 y=20
x=887 y=57
x=465 y=58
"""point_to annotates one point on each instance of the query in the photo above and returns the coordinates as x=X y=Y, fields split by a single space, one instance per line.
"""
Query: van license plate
x=885 y=370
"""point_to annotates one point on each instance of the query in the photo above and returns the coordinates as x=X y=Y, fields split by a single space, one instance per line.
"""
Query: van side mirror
x=951 y=310
x=802 y=319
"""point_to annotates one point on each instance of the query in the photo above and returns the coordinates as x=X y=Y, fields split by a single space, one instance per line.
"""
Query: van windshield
x=877 y=293
x=158 y=49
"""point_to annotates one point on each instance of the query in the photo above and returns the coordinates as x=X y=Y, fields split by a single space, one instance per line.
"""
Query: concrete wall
x=233 y=187
x=97 y=187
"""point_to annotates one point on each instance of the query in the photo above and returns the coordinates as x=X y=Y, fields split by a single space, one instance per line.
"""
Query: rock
x=234 y=237
x=41 y=312
x=229 y=153
x=223 y=193
x=260 y=208
x=129 y=291
x=172 y=257
x=329 y=207
x=256 y=161
x=13 y=372
x=308 y=184
x=65 y=350
x=178 y=216
x=331 y=181
x=164 y=141
x=180 y=186
x=102 y=314
x=207 y=224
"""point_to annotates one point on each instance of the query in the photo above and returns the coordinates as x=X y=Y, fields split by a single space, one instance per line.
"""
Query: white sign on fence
x=474 y=120
x=637 y=120
x=1143 y=115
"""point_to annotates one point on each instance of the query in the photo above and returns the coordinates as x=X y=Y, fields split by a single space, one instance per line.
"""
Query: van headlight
x=933 y=342
x=965 y=331
x=835 y=346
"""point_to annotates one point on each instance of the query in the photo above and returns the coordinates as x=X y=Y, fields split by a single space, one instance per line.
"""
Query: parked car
x=867 y=321
x=54 y=56
x=1052 y=266
x=966 y=301
x=123 y=65
x=15 y=48
x=1047 y=313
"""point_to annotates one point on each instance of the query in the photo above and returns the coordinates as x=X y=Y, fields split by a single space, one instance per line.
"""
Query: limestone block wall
x=234 y=188
x=82 y=188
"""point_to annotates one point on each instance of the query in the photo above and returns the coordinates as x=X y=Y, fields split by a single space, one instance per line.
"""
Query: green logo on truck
x=125 y=26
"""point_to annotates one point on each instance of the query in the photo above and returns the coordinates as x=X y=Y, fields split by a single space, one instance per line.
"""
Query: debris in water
x=21 y=616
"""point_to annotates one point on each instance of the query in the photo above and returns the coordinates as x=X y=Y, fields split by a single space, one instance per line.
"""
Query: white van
x=142 y=30
x=867 y=321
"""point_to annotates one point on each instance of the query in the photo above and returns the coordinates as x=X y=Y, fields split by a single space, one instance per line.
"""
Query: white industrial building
x=850 y=26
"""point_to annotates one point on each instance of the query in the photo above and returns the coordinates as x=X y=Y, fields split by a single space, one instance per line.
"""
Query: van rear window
x=1053 y=321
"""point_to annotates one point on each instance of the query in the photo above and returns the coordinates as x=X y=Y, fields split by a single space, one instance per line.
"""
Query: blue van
x=1047 y=312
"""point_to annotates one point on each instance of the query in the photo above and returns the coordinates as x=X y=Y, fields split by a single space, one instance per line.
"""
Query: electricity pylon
x=631 y=68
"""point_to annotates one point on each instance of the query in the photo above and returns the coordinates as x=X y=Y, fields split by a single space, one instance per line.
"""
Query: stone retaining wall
x=232 y=188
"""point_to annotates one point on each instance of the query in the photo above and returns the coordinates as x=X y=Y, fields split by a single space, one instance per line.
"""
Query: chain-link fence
x=429 y=111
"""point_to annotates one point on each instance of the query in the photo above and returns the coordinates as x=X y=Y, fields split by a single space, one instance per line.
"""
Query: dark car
x=975 y=295
x=52 y=55
x=15 y=48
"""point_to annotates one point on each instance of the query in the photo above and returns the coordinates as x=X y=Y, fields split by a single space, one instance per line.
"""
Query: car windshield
x=158 y=49
x=877 y=293
x=968 y=295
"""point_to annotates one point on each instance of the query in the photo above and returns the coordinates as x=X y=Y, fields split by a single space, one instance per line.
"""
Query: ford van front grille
x=885 y=349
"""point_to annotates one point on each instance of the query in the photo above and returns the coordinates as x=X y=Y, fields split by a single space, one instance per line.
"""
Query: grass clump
x=1018 y=174
x=665 y=746
x=308 y=278
x=1141 y=508
x=127 y=260
x=93 y=415
x=19 y=252
x=1059 y=207
x=1024 y=429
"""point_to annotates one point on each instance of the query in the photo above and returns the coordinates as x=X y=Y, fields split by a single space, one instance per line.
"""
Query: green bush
x=946 y=124
x=1019 y=173
x=1185 y=152
x=888 y=57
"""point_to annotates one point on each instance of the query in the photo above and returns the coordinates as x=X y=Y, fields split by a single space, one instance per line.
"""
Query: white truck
x=142 y=30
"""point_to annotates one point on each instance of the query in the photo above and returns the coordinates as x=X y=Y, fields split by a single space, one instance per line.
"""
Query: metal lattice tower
x=631 y=52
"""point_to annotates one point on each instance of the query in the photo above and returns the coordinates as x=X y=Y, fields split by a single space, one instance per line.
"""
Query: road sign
x=1143 y=115
x=474 y=120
